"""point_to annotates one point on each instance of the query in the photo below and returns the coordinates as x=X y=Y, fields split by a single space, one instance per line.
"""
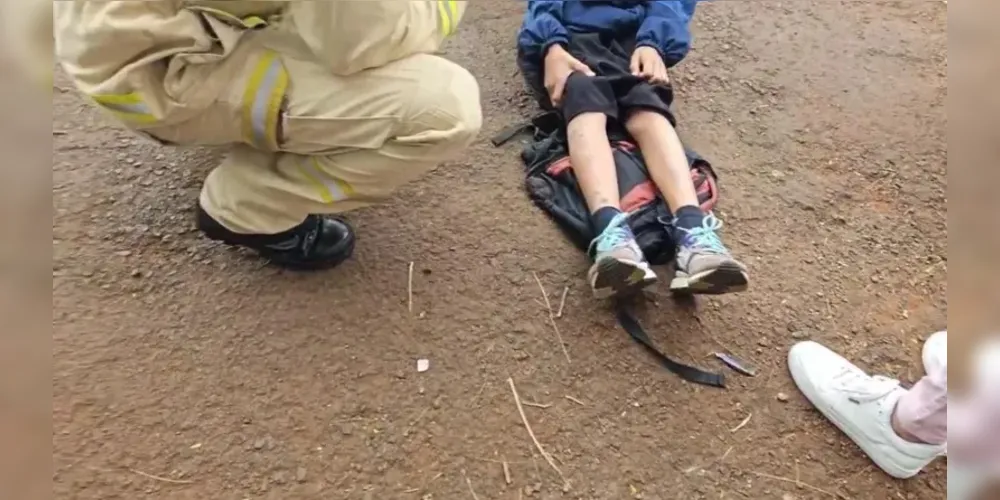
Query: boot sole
x=727 y=278
x=619 y=278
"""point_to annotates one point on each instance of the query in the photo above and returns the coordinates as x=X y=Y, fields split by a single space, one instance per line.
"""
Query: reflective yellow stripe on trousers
x=330 y=188
x=128 y=107
x=448 y=12
x=262 y=102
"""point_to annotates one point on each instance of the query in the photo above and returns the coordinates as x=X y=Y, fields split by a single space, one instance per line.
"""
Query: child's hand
x=559 y=64
x=647 y=63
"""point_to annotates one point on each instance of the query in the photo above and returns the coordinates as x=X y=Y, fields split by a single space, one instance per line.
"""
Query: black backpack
x=552 y=186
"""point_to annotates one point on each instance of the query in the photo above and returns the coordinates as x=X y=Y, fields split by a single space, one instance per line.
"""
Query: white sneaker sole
x=621 y=278
x=727 y=278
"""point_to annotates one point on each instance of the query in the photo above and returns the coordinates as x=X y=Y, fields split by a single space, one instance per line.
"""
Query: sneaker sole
x=619 y=278
x=727 y=278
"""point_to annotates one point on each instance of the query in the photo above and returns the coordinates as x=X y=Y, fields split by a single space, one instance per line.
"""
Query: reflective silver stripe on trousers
x=262 y=99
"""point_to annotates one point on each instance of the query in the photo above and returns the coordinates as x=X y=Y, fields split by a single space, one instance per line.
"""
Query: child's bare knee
x=644 y=121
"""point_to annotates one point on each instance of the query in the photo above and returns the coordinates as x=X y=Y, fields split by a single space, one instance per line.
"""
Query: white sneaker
x=935 y=353
x=860 y=405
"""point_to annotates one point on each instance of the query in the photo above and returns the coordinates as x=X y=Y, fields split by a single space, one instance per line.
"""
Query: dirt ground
x=181 y=359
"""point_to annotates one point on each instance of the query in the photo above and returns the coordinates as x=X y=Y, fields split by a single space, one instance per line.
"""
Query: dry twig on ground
x=159 y=478
x=742 y=424
x=799 y=483
x=469 y=482
x=562 y=302
x=536 y=405
x=409 y=288
x=552 y=317
x=527 y=426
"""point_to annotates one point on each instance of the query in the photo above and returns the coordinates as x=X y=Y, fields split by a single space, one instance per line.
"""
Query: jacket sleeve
x=116 y=53
x=541 y=29
x=666 y=28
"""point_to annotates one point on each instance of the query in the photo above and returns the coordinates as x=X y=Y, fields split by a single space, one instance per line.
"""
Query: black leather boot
x=320 y=242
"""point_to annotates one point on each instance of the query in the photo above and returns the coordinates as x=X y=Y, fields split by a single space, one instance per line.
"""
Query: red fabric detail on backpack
x=706 y=189
x=626 y=146
x=638 y=197
x=559 y=166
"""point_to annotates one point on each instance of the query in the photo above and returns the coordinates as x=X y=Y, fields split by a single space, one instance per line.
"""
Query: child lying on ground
x=604 y=64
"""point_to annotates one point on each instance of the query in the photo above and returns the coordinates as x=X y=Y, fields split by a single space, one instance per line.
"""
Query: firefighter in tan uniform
x=327 y=106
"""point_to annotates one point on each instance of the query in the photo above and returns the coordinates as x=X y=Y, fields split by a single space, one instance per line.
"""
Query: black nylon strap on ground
x=689 y=373
x=505 y=135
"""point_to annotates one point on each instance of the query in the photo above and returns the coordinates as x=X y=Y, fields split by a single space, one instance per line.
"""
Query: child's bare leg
x=704 y=265
x=665 y=158
x=593 y=162
x=619 y=266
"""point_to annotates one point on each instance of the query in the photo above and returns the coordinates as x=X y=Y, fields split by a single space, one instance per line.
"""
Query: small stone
x=259 y=444
x=300 y=474
x=800 y=335
x=423 y=365
x=136 y=273
x=782 y=397
x=764 y=342
x=124 y=253
x=777 y=174
x=874 y=279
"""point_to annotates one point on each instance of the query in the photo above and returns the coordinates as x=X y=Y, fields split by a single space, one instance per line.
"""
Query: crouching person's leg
x=346 y=142
x=619 y=266
x=704 y=265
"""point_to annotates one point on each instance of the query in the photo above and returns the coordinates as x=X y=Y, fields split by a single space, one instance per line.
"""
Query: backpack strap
x=540 y=127
x=695 y=375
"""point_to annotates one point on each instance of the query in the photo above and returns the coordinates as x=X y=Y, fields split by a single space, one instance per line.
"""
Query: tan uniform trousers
x=366 y=108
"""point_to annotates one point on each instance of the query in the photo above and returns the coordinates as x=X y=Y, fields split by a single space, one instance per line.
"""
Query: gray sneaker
x=619 y=267
x=704 y=265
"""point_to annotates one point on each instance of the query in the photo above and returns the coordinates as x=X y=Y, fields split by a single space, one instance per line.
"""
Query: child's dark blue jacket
x=659 y=24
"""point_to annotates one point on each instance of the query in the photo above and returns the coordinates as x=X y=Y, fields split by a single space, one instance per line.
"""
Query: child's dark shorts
x=615 y=96
x=614 y=92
